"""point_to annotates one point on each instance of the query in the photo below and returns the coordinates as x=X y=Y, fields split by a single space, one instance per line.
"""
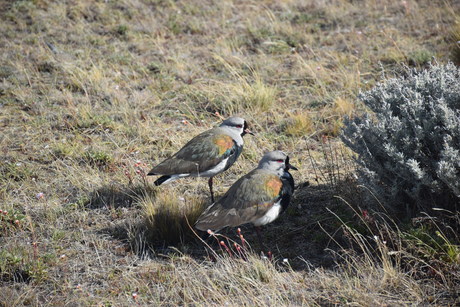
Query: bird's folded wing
x=200 y=154
x=247 y=200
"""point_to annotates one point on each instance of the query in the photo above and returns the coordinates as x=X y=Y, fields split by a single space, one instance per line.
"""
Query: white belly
x=270 y=216
x=215 y=170
x=174 y=177
x=209 y=173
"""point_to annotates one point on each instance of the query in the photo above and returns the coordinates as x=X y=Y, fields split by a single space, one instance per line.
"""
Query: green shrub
x=409 y=147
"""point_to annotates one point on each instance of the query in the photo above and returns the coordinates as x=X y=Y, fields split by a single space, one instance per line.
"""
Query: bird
x=258 y=197
x=206 y=155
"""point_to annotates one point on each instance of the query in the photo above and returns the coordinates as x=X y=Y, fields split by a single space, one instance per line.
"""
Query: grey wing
x=246 y=201
x=199 y=155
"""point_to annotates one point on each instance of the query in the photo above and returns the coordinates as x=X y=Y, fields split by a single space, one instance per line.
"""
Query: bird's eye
x=239 y=126
x=280 y=161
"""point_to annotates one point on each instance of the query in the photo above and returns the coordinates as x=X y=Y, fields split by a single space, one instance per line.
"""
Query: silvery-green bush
x=408 y=147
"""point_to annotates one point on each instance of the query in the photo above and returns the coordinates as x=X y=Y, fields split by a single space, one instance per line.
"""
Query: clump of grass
x=426 y=248
x=98 y=158
x=24 y=264
x=300 y=124
x=333 y=117
x=256 y=95
x=225 y=282
x=435 y=239
x=17 y=171
x=169 y=217
x=10 y=222
x=272 y=35
x=335 y=168
x=175 y=24
x=12 y=268
x=328 y=121
x=381 y=250
x=455 y=38
x=67 y=149
x=248 y=92
x=21 y=262
x=121 y=30
x=87 y=120
x=343 y=107
x=420 y=57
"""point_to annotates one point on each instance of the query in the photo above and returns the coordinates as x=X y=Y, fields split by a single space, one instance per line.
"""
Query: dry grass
x=169 y=216
x=94 y=93
x=455 y=42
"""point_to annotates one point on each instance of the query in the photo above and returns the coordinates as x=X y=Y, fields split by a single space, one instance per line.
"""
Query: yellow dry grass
x=94 y=93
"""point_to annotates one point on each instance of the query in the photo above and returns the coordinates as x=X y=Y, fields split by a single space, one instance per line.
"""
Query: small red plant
x=137 y=170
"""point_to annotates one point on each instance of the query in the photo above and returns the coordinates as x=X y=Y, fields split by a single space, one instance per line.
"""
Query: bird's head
x=277 y=161
x=238 y=124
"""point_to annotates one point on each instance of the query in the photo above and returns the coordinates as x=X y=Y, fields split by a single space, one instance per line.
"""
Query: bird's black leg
x=210 y=188
x=259 y=236
x=262 y=245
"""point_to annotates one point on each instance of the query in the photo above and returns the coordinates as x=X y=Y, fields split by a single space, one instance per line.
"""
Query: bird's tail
x=161 y=180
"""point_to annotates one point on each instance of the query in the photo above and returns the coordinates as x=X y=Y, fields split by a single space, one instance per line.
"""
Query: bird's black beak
x=246 y=130
x=289 y=166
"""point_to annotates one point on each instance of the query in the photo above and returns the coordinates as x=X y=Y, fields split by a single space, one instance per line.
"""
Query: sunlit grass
x=94 y=94
x=169 y=217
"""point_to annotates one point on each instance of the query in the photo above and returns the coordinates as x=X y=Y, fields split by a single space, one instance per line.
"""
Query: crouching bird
x=258 y=197
x=206 y=155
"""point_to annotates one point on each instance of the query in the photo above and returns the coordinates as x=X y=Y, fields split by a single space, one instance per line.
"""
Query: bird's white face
x=277 y=165
x=237 y=124
x=276 y=161
x=237 y=127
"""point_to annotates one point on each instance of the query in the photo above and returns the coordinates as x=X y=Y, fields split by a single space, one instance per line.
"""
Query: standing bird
x=258 y=197
x=206 y=155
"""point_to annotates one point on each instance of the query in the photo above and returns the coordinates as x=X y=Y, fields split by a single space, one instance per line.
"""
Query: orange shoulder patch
x=224 y=143
x=273 y=186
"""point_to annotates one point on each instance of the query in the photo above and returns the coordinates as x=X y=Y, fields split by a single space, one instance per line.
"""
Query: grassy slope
x=89 y=88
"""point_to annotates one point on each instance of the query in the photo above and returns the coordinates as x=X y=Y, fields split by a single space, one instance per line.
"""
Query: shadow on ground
x=118 y=196
x=306 y=234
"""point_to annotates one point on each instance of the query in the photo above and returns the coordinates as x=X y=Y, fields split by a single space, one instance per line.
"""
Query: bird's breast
x=224 y=144
x=270 y=215
x=273 y=186
x=216 y=169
